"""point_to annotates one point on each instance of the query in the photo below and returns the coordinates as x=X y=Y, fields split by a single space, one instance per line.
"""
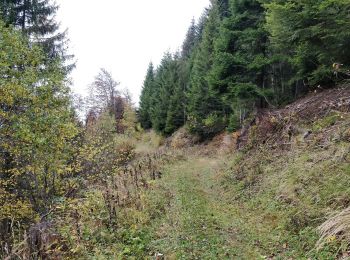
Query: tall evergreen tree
x=161 y=93
x=145 y=99
x=190 y=41
x=201 y=24
x=36 y=20
x=201 y=103
x=163 y=98
x=238 y=76
x=243 y=54
x=185 y=64
x=176 y=109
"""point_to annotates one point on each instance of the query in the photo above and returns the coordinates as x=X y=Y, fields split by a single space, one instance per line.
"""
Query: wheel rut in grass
x=199 y=223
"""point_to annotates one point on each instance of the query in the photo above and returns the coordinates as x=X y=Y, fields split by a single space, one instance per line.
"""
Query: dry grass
x=335 y=228
x=182 y=139
x=149 y=142
x=278 y=128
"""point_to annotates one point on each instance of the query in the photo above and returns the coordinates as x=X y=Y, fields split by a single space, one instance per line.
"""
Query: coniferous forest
x=242 y=56
x=238 y=149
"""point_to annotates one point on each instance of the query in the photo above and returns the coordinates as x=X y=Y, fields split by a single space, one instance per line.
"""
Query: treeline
x=244 y=55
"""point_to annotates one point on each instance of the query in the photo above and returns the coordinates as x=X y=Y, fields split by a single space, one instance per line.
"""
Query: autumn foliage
x=37 y=130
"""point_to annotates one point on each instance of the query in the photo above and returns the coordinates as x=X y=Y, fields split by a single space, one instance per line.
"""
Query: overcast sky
x=123 y=36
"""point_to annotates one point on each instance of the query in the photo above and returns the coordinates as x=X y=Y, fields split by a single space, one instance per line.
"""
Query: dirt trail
x=200 y=222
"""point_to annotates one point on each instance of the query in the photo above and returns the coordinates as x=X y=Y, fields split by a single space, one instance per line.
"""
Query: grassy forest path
x=200 y=222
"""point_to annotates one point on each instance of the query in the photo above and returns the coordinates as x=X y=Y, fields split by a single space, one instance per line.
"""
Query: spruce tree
x=190 y=41
x=202 y=104
x=244 y=55
x=35 y=18
x=176 y=108
x=201 y=25
x=238 y=76
x=161 y=93
x=145 y=99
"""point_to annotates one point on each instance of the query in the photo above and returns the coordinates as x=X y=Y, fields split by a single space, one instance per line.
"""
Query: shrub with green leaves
x=36 y=127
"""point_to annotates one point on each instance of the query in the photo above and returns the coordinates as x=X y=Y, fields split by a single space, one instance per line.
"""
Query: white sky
x=123 y=36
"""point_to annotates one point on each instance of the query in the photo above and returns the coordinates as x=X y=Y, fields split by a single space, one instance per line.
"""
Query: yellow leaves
x=36 y=128
x=6 y=98
x=3 y=115
x=16 y=209
x=15 y=172
x=331 y=239
x=9 y=92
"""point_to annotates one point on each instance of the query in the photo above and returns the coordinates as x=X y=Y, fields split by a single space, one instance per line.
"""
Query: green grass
x=199 y=224
x=258 y=204
x=252 y=206
x=331 y=119
x=293 y=195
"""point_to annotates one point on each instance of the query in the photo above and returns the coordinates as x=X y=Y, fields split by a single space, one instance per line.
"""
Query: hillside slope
x=278 y=189
x=289 y=174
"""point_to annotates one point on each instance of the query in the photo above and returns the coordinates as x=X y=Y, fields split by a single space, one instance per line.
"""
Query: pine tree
x=238 y=76
x=176 y=109
x=190 y=41
x=201 y=25
x=201 y=103
x=145 y=99
x=244 y=55
x=185 y=66
x=161 y=93
x=35 y=18
x=163 y=101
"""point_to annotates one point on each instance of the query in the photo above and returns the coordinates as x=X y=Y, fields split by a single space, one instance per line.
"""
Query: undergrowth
x=260 y=203
x=285 y=196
